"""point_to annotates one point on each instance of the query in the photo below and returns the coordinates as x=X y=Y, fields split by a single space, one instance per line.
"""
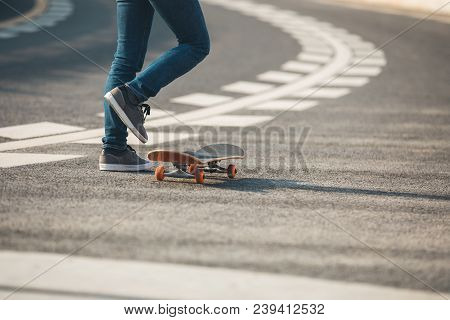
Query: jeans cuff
x=136 y=92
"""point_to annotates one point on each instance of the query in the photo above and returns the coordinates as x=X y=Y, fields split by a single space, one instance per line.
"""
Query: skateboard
x=194 y=164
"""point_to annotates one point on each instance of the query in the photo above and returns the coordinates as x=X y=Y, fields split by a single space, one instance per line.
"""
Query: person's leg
x=185 y=18
x=134 y=19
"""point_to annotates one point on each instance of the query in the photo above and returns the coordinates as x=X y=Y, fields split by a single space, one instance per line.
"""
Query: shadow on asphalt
x=265 y=185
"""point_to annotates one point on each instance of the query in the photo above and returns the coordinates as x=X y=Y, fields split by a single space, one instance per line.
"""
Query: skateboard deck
x=193 y=164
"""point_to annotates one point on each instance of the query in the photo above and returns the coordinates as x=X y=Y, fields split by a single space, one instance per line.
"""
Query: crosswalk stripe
x=201 y=99
x=363 y=71
x=278 y=77
x=309 y=57
x=302 y=67
x=247 y=87
x=284 y=104
x=348 y=82
x=9 y=160
x=321 y=93
x=379 y=62
x=39 y=129
x=230 y=121
x=155 y=138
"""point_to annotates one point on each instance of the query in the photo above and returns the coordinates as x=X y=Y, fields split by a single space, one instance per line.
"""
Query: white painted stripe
x=284 y=104
x=348 y=82
x=157 y=280
x=230 y=121
x=9 y=160
x=296 y=66
x=7 y=34
x=379 y=62
x=155 y=114
x=368 y=54
x=247 y=87
x=201 y=99
x=318 y=58
x=154 y=138
x=278 y=77
x=318 y=50
x=358 y=45
x=61 y=138
x=321 y=93
x=36 y=130
x=363 y=71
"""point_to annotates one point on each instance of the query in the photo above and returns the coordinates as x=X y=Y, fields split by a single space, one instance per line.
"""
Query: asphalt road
x=371 y=205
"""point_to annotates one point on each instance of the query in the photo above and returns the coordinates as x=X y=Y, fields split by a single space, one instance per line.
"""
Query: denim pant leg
x=185 y=19
x=134 y=20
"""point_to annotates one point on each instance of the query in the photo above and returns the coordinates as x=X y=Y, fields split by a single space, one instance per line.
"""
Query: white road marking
x=61 y=138
x=9 y=160
x=278 y=77
x=318 y=50
x=363 y=71
x=39 y=129
x=368 y=54
x=309 y=57
x=201 y=99
x=297 y=66
x=230 y=121
x=284 y=104
x=156 y=280
x=321 y=93
x=247 y=87
x=155 y=114
x=379 y=62
x=348 y=82
x=154 y=138
x=56 y=11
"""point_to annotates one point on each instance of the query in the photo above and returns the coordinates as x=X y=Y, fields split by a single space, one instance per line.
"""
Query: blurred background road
x=359 y=208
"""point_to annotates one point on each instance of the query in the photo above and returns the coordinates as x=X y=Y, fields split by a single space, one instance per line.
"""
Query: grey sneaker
x=126 y=160
x=129 y=110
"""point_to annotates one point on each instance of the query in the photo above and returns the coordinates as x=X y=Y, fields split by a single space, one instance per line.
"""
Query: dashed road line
x=321 y=93
x=229 y=121
x=278 y=76
x=39 y=129
x=9 y=160
x=284 y=104
x=247 y=87
x=155 y=138
x=55 y=11
x=301 y=67
x=201 y=99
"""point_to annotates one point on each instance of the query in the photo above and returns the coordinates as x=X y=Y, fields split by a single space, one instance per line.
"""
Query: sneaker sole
x=116 y=107
x=125 y=167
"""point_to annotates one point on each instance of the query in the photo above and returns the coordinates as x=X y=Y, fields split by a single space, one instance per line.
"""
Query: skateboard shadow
x=265 y=185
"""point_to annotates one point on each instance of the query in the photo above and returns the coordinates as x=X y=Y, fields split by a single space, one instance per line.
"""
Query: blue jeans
x=134 y=21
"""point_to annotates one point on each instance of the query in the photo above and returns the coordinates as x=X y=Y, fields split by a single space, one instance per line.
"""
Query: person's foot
x=129 y=110
x=122 y=160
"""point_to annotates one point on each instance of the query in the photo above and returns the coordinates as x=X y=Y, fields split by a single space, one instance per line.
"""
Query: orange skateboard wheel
x=199 y=175
x=159 y=173
x=231 y=171
x=191 y=168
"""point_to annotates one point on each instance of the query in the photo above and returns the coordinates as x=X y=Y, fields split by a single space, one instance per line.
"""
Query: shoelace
x=145 y=108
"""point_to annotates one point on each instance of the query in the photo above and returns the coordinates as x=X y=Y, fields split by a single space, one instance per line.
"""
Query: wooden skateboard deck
x=193 y=164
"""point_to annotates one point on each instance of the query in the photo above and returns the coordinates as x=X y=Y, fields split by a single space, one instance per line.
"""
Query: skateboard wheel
x=159 y=173
x=199 y=175
x=192 y=167
x=231 y=171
